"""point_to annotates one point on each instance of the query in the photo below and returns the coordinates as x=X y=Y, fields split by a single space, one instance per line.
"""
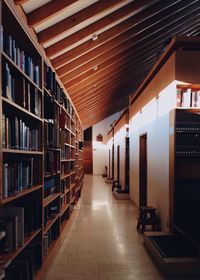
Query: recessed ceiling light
x=94 y=37
x=95 y=67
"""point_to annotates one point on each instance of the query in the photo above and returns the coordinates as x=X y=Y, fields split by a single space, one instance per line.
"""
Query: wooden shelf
x=66 y=160
x=50 y=198
x=63 y=209
x=20 y=71
x=66 y=192
x=51 y=175
x=23 y=193
x=8 y=258
x=13 y=151
x=50 y=223
x=18 y=107
x=65 y=176
x=53 y=149
x=24 y=89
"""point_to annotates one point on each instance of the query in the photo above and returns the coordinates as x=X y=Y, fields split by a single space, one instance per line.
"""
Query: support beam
x=133 y=7
x=64 y=25
x=47 y=11
x=134 y=21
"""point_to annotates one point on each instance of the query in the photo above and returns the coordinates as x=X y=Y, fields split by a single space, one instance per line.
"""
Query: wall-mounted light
x=99 y=137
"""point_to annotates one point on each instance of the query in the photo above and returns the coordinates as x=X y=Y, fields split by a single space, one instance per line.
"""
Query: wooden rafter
x=148 y=42
x=20 y=2
x=48 y=11
x=134 y=6
x=128 y=43
x=89 y=45
x=77 y=18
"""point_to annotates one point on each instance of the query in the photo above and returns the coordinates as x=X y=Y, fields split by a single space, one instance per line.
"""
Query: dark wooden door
x=143 y=171
x=118 y=163
x=88 y=152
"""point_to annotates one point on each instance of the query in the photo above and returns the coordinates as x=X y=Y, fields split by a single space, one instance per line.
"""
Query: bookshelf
x=185 y=187
x=41 y=153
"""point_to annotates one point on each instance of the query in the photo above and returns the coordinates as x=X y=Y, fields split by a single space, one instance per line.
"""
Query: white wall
x=153 y=119
x=100 y=150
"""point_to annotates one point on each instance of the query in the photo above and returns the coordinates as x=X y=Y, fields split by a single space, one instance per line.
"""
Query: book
x=10 y=212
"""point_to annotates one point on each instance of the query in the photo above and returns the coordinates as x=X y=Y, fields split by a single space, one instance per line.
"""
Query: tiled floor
x=102 y=243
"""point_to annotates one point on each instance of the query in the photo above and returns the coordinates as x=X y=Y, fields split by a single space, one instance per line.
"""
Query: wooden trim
x=171 y=167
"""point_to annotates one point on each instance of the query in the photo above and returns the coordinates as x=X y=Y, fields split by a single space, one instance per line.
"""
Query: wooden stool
x=147 y=216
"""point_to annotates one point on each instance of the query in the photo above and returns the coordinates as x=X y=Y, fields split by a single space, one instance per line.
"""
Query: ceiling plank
x=129 y=39
x=112 y=91
x=133 y=7
x=112 y=32
x=48 y=11
x=162 y=36
x=64 y=25
x=20 y=2
x=118 y=79
x=127 y=63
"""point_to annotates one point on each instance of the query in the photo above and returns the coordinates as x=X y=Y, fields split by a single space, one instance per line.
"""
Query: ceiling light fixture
x=95 y=68
x=94 y=37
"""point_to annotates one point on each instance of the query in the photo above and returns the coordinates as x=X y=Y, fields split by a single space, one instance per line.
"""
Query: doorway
x=143 y=171
x=87 y=152
x=118 y=163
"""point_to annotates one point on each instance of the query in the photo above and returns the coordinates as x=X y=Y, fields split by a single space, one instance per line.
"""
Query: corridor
x=101 y=243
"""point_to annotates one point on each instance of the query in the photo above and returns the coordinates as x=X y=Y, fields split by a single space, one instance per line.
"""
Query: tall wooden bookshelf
x=41 y=170
x=184 y=187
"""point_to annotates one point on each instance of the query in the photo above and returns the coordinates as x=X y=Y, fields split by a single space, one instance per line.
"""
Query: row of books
x=65 y=153
x=186 y=121
x=187 y=192
x=65 y=184
x=53 y=87
x=188 y=98
x=51 y=134
x=20 y=58
x=65 y=200
x=16 y=134
x=50 y=211
x=17 y=177
x=48 y=238
x=66 y=168
x=49 y=186
x=20 y=91
x=188 y=140
x=18 y=222
x=52 y=162
x=64 y=137
x=26 y=264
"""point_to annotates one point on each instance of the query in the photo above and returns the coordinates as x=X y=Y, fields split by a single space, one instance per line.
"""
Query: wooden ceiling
x=103 y=49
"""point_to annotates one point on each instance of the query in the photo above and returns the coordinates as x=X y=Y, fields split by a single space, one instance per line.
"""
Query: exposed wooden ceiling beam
x=91 y=80
x=162 y=35
x=133 y=7
x=112 y=90
x=125 y=66
x=112 y=80
x=47 y=11
x=115 y=106
x=129 y=40
x=114 y=31
x=64 y=25
x=20 y=2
